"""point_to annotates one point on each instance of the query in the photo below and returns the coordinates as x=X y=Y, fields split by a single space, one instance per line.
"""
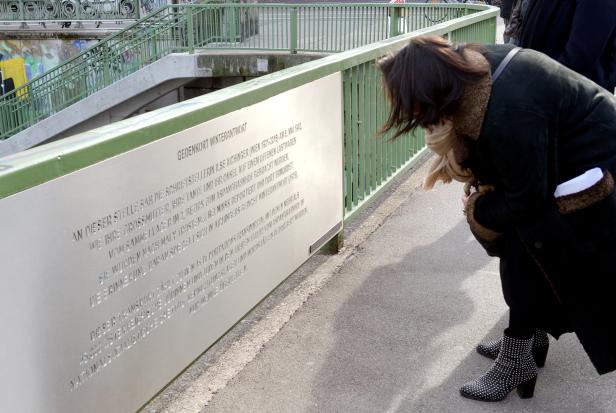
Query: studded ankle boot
x=514 y=367
x=541 y=343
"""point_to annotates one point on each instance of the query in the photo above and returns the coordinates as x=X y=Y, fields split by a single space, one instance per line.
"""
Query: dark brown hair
x=425 y=82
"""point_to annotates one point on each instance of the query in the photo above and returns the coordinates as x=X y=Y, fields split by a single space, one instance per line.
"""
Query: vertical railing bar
x=267 y=33
x=349 y=34
x=353 y=21
x=275 y=23
x=355 y=138
x=308 y=23
x=331 y=30
x=339 y=25
x=335 y=26
x=317 y=20
x=189 y=29
x=368 y=126
x=319 y=38
x=377 y=122
x=337 y=29
x=327 y=29
x=347 y=141
x=373 y=125
x=382 y=148
x=293 y=30
x=308 y=27
x=360 y=21
x=370 y=19
x=361 y=131
x=298 y=27
x=320 y=22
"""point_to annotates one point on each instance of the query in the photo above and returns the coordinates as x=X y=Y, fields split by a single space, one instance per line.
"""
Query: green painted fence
x=184 y=28
x=370 y=163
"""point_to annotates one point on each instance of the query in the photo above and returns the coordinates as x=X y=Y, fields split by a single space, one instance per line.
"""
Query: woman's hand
x=469 y=188
x=464 y=202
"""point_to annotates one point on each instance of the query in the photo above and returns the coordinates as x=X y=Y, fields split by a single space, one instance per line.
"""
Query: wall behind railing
x=33 y=57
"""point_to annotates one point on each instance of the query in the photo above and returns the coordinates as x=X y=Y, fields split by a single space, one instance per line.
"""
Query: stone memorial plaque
x=117 y=276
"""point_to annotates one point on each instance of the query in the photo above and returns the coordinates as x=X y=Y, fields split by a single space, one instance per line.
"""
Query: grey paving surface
x=395 y=331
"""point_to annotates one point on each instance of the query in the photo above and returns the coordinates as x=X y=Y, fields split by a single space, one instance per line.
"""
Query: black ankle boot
x=541 y=344
x=514 y=367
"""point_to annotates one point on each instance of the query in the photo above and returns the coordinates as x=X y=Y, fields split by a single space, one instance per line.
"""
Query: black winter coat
x=581 y=34
x=544 y=125
x=505 y=8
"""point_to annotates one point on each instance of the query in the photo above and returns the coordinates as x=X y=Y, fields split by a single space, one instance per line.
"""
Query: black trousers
x=531 y=300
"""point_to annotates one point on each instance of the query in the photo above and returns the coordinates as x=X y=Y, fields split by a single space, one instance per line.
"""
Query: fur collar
x=468 y=120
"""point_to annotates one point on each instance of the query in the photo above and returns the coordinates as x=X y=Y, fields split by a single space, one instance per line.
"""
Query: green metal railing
x=184 y=28
x=70 y=10
x=370 y=163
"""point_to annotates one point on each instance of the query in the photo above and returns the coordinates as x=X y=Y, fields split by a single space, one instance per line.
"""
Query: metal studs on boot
x=514 y=367
x=541 y=344
x=490 y=348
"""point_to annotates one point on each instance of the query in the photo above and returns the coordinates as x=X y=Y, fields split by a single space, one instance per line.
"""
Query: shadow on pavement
x=405 y=342
x=388 y=334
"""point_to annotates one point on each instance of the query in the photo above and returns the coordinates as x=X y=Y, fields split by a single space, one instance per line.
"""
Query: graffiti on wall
x=34 y=57
x=12 y=74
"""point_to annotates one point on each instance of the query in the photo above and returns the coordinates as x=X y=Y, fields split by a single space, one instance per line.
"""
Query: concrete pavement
x=390 y=324
x=392 y=329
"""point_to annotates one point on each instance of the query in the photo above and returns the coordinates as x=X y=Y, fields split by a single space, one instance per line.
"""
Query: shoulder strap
x=504 y=63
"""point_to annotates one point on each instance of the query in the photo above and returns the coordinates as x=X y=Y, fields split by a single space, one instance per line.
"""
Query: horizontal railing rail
x=69 y=10
x=183 y=28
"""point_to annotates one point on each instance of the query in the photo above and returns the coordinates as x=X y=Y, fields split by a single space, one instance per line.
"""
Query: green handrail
x=182 y=28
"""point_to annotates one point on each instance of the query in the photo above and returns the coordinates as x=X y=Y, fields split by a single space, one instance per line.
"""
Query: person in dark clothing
x=506 y=6
x=580 y=34
x=535 y=145
x=505 y=9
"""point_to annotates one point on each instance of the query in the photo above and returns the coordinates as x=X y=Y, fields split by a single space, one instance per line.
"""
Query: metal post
x=190 y=29
x=394 y=20
x=154 y=47
x=106 y=64
x=233 y=20
x=294 y=30
x=334 y=245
